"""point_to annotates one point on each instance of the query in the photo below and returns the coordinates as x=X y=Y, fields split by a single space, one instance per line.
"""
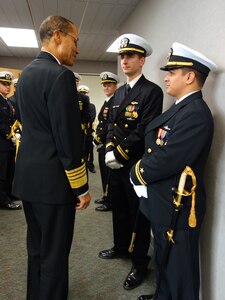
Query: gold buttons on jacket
x=127 y=150
x=115 y=124
x=126 y=125
x=114 y=137
x=149 y=150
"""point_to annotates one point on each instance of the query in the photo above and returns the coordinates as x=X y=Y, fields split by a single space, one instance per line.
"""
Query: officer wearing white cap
x=134 y=43
x=109 y=83
x=134 y=105
x=89 y=154
x=14 y=83
x=84 y=105
x=83 y=89
x=7 y=147
x=180 y=137
x=183 y=56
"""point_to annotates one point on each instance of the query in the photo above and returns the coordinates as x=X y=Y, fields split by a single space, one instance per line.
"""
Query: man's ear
x=57 y=36
x=190 y=77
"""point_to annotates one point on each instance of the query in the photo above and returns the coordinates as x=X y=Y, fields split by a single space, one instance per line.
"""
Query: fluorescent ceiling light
x=113 y=47
x=16 y=37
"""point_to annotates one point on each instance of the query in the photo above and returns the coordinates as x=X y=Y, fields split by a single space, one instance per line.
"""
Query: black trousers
x=7 y=166
x=125 y=205
x=49 y=238
x=181 y=277
x=105 y=173
x=89 y=148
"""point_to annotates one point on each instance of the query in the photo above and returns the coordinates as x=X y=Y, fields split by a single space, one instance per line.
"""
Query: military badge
x=170 y=54
x=105 y=76
x=162 y=137
x=124 y=42
x=131 y=111
x=105 y=112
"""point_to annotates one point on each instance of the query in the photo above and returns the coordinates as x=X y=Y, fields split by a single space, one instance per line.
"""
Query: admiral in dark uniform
x=131 y=111
x=7 y=143
x=109 y=82
x=50 y=174
x=180 y=137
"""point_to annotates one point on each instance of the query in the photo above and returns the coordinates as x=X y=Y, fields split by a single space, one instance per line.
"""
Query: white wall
x=199 y=25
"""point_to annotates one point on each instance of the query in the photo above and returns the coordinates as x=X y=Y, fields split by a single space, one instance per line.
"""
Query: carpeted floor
x=90 y=277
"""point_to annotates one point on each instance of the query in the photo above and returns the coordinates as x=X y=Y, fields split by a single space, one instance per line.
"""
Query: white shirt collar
x=135 y=80
x=107 y=99
x=53 y=56
x=183 y=97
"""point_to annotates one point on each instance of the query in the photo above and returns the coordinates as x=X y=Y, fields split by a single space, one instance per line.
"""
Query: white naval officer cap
x=133 y=43
x=14 y=81
x=183 y=56
x=6 y=76
x=83 y=89
x=109 y=77
x=77 y=76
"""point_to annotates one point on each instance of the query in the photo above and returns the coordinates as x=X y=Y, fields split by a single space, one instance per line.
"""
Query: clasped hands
x=111 y=161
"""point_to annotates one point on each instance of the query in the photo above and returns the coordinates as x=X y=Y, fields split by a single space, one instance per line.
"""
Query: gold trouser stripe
x=77 y=177
x=138 y=173
x=122 y=153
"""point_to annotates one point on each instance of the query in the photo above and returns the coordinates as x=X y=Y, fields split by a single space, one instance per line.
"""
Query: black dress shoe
x=11 y=205
x=134 y=278
x=145 y=297
x=111 y=253
x=99 y=201
x=103 y=207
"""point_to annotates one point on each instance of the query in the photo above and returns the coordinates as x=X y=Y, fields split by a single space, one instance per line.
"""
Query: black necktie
x=127 y=89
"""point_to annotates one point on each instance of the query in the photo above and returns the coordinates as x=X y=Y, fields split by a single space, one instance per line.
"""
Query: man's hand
x=84 y=201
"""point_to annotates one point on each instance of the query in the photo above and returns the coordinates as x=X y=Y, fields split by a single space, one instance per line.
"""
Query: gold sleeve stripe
x=138 y=173
x=122 y=153
x=77 y=177
x=110 y=144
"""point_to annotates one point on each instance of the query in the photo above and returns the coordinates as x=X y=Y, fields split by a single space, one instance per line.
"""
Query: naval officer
x=180 y=137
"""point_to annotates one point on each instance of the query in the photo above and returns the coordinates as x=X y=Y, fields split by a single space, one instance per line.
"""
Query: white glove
x=109 y=157
x=141 y=190
x=13 y=140
x=111 y=161
x=114 y=165
x=18 y=136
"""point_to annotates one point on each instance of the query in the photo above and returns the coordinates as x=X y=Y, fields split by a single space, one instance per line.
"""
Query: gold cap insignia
x=124 y=42
x=170 y=54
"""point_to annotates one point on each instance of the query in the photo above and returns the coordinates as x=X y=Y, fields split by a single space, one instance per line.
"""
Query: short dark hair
x=200 y=77
x=52 y=23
